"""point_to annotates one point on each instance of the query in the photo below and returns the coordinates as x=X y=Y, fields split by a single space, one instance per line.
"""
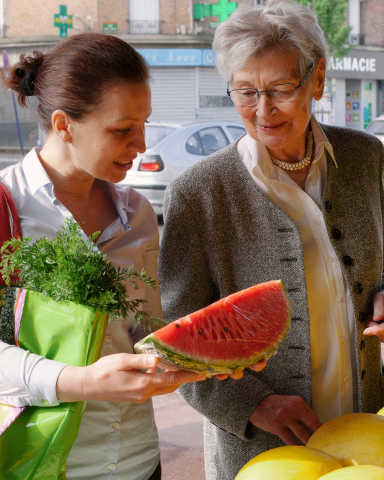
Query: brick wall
x=372 y=22
x=114 y=11
x=32 y=18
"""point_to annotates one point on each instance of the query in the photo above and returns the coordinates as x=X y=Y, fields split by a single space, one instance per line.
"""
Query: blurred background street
x=181 y=438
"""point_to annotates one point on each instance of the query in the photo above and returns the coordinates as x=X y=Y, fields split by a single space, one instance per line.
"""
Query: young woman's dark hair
x=74 y=74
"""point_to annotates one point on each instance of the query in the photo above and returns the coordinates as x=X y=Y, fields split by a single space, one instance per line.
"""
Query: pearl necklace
x=296 y=166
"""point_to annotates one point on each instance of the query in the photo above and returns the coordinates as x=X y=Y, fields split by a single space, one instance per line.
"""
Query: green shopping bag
x=37 y=440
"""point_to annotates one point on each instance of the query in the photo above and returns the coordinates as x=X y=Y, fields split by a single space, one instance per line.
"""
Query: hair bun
x=27 y=82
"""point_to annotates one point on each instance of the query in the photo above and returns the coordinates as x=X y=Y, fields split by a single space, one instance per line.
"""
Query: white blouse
x=329 y=302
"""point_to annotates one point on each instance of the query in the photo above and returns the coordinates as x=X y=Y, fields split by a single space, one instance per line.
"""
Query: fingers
x=235 y=375
x=375 y=329
x=300 y=432
x=288 y=417
x=144 y=362
x=177 y=378
x=378 y=307
x=258 y=367
x=309 y=418
x=286 y=435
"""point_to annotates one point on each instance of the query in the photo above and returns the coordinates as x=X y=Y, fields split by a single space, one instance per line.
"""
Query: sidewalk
x=181 y=438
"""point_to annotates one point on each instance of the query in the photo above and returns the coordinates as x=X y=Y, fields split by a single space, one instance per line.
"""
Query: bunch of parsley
x=71 y=268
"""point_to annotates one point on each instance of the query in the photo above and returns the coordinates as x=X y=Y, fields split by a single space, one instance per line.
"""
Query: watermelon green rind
x=194 y=364
x=208 y=365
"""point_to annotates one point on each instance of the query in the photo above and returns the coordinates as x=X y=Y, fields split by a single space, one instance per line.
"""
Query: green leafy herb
x=71 y=268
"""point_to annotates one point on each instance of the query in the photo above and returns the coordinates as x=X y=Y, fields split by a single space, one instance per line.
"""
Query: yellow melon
x=359 y=472
x=288 y=463
x=381 y=411
x=354 y=439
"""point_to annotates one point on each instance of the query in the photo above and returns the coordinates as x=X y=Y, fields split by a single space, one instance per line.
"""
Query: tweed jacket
x=222 y=234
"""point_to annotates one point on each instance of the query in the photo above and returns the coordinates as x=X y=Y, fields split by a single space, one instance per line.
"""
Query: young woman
x=93 y=100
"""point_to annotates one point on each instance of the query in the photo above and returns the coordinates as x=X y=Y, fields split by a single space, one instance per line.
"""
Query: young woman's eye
x=124 y=130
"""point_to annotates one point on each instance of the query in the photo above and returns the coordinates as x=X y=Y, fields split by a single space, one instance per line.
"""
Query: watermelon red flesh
x=241 y=328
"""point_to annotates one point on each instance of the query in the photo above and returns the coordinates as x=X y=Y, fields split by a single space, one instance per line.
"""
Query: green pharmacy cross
x=62 y=20
x=222 y=9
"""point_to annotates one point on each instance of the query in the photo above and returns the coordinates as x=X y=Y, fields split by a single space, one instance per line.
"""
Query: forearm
x=26 y=378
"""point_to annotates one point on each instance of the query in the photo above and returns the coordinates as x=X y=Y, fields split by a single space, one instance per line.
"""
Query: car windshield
x=154 y=134
x=376 y=127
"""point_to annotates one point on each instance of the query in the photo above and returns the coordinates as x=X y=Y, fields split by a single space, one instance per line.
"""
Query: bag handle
x=9 y=219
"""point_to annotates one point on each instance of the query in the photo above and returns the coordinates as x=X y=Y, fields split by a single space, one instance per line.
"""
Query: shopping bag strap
x=9 y=219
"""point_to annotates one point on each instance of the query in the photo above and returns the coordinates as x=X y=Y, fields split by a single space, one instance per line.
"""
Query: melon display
x=354 y=439
x=288 y=463
x=296 y=453
x=234 y=332
x=359 y=472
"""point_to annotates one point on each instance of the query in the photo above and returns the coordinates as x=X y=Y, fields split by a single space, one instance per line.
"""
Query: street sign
x=63 y=21
x=110 y=28
x=222 y=9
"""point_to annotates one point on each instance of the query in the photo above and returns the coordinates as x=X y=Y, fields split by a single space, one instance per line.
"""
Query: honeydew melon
x=288 y=463
x=354 y=439
x=359 y=472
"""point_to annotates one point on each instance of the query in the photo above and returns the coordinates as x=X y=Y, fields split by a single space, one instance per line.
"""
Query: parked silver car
x=376 y=127
x=171 y=149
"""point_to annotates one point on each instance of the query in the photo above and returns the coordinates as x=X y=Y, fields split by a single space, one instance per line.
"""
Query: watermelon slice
x=234 y=332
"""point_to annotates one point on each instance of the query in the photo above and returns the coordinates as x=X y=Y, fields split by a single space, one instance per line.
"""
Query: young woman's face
x=105 y=142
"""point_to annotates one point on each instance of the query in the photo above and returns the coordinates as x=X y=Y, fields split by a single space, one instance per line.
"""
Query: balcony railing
x=144 y=26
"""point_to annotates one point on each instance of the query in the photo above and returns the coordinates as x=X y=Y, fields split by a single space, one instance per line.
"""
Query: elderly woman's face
x=278 y=123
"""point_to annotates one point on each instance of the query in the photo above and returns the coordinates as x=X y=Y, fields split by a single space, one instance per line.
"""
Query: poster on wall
x=353 y=105
x=367 y=103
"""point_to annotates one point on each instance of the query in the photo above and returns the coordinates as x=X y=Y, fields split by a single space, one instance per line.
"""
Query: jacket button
x=328 y=205
x=336 y=234
x=362 y=344
x=363 y=372
x=358 y=287
x=347 y=260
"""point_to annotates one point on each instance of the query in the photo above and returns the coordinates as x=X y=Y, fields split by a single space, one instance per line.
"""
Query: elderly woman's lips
x=270 y=127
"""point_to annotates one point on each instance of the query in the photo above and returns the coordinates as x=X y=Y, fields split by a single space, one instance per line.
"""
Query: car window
x=193 y=145
x=154 y=134
x=376 y=128
x=235 y=132
x=212 y=139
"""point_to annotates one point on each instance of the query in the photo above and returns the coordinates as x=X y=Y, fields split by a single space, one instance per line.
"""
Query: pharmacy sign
x=63 y=21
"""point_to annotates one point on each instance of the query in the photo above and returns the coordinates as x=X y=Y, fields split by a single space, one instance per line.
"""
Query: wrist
x=69 y=384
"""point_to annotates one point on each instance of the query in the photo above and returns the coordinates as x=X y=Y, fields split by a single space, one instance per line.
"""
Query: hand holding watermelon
x=239 y=331
x=120 y=377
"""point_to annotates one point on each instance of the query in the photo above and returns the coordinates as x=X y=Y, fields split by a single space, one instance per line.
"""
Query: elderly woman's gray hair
x=280 y=23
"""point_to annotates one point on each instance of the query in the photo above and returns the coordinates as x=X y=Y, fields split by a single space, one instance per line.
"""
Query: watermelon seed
x=177 y=325
x=200 y=331
x=226 y=329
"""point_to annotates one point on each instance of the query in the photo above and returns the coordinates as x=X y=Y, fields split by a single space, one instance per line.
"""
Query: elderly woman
x=293 y=200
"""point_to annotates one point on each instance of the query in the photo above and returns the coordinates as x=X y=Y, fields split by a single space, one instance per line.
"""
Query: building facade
x=175 y=38
x=355 y=83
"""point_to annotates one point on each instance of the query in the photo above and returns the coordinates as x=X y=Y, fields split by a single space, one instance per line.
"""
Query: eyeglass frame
x=258 y=93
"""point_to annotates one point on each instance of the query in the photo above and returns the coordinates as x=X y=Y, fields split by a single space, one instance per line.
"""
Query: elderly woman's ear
x=319 y=79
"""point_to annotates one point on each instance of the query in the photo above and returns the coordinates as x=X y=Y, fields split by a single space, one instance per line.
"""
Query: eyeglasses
x=279 y=93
